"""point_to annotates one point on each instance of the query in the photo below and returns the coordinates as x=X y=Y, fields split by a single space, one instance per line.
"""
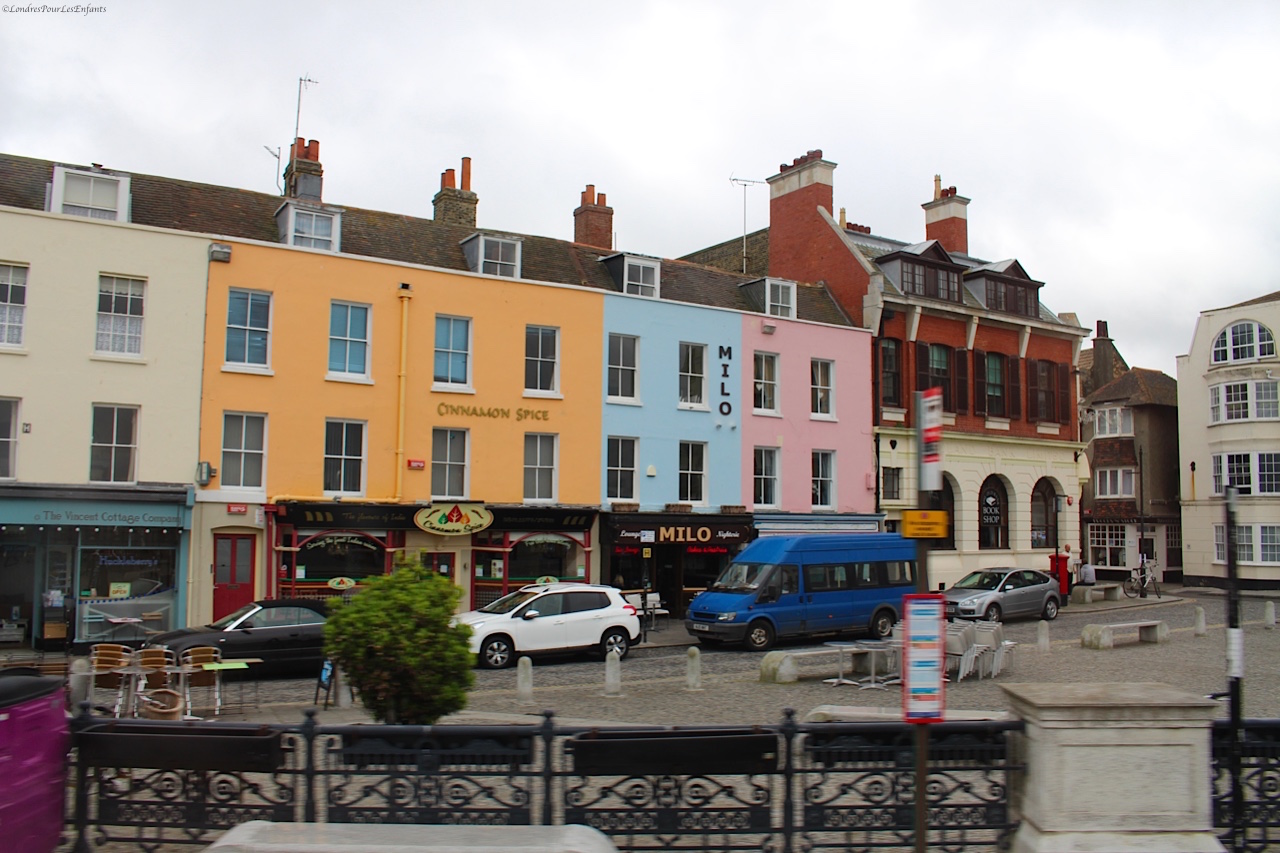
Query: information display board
x=924 y=658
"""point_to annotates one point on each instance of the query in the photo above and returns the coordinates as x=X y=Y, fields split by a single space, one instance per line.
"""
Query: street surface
x=654 y=676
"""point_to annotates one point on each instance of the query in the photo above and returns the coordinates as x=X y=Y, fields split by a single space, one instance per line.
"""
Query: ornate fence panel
x=1257 y=826
x=789 y=787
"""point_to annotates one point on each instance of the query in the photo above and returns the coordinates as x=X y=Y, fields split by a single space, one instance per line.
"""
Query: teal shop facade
x=87 y=565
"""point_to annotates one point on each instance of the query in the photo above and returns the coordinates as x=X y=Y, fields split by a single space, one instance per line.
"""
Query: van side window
x=790 y=580
x=830 y=578
x=900 y=572
x=864 y=575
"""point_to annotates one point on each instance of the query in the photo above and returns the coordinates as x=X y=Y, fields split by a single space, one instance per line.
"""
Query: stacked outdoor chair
x=104 y=658
x=192 y=661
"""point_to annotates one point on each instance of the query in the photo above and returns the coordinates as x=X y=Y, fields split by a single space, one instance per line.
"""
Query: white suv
x=553 y=617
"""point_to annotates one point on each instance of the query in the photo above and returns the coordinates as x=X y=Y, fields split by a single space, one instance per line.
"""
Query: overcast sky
x=1125 y=152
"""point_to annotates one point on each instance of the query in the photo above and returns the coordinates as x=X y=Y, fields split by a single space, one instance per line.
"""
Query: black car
x=286 y=633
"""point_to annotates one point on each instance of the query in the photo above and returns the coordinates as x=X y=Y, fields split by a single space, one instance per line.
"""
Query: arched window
x=1044 y=516
x=993 y=515
x=948 y=505
x=1244 y=341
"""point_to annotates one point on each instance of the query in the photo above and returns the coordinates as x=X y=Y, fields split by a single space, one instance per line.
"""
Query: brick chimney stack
x=454 y=205
x=593 y=220
x=303 y=174
x=1104 y=357
x=795 y=194
x=946 y=220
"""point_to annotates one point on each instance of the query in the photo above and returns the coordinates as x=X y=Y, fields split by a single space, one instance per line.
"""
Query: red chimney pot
x=466 y=174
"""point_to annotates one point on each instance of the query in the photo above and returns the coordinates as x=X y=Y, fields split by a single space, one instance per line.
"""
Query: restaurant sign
x=453 y=519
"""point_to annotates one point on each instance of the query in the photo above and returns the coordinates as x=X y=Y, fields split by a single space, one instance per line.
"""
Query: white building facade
x=1229 y=434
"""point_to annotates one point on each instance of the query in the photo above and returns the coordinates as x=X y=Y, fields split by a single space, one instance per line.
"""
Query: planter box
x=185 y=747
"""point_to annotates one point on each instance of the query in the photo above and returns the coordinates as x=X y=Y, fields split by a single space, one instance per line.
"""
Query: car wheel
x=496 y=652
x=1050 y=609
x=882 y=624
x=615 y=640
x=760 y=636
x=992 y=613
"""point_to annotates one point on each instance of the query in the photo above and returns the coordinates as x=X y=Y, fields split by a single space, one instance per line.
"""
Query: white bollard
x=79 y=683
x=524 y=681
x=1201 y=630
x=693 y=673
x=613 y=675
x=1269 y=615
x=1042 y=636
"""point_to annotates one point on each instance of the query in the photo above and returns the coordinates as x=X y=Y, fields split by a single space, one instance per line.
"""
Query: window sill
x=766 y=413
x=830 y=419
x=623 y=401
x=897 y=416
x=452 y=389
x=232 y=495
x=435 y=498
x=692 y=407
x=118 y=359
x=341 y=496
x=997 y=423
x=14 y=351
x=253 y=370
x=1048 y=429
x=348 y=378
x=543 y=395
x=948 y=418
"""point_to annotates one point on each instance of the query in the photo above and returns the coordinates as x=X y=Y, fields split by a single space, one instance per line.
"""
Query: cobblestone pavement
x=654 y=676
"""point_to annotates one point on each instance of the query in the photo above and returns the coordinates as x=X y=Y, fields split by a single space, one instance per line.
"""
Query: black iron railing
x=1255 y=826
x=779 y=788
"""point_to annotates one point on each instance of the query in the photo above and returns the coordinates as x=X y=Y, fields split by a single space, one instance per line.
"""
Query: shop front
x=81 y=565
x=327 y=548
x=525 y=544
x=675 y=555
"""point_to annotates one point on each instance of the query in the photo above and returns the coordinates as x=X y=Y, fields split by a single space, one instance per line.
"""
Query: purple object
x=33 y=758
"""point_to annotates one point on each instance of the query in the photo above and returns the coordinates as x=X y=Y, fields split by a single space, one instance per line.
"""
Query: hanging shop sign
x=453 y=519
x=341 y=583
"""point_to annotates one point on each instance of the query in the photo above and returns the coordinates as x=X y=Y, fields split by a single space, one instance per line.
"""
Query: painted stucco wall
x=796 y=431
x=657 y=420
x=56 y=374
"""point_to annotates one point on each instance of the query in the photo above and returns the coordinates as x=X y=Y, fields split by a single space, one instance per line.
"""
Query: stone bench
x=260 y=836
x=1083 y=594
x=783 y=666
x=1103 y=636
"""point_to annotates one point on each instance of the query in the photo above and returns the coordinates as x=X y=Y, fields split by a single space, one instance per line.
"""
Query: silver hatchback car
x=994 y=594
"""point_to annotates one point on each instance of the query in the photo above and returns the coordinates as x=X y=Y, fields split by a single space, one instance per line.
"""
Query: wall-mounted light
x=205 y=472
x=651 y=471
x=768 y=328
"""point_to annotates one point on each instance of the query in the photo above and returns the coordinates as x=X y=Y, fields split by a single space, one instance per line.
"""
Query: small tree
x=397 y=647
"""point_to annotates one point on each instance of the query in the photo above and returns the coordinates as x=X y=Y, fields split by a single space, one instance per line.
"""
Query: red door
x=232 y=573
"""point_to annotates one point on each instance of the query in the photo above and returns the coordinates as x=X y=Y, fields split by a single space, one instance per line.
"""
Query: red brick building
x=943 y=318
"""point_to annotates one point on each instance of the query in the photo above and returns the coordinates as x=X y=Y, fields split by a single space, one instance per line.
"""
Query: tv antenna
x=744 y=183
x=297 y=119
x=275 y=152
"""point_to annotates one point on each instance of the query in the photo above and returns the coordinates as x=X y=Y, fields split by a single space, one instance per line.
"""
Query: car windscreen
x=742 y=576
x=509 y=601
x=231 y=618
x=980 y=580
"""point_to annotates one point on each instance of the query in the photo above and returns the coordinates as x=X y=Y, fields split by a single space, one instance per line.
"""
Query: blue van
x=794 y=586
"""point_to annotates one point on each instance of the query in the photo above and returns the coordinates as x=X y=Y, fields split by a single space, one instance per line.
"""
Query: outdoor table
x=842 y=646
x=119 y=623
x=227 y=664
x=134 y=676
x=872 y=647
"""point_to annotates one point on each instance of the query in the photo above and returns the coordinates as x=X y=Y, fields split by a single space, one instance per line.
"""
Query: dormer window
x=921 y=280
x=492 y=255
x=641 y=278
x=780 y=298
x=1012 y=298
x=314 y=230
x=1245 y=341
x=310 y=227
x=91 y=194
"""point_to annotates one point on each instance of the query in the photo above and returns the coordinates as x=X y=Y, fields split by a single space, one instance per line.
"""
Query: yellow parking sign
x=924 y=524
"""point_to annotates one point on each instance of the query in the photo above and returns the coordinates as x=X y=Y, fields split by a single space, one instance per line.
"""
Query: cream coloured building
x=100 y=350
x=1229 y=434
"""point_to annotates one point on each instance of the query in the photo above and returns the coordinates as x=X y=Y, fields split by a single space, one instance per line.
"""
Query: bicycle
x=1142 y=578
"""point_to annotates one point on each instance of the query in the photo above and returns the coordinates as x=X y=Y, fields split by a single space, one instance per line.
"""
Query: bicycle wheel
x=1155 y=586
x=1130 y=586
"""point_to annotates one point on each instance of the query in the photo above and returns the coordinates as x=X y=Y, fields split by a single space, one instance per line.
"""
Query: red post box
x=1058 y=568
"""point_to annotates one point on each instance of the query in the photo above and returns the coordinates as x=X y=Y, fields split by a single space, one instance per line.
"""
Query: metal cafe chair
x=104 y=659
x=192 y=661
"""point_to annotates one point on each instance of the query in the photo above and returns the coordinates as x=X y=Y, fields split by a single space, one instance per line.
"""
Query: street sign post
x=924 y=524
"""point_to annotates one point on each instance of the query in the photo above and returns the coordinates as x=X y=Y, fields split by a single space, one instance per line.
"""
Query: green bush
x=396 y=647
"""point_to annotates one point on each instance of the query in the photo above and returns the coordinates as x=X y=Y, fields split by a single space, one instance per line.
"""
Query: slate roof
x=226 y=211
x=1270 y=297
x=1137 y=387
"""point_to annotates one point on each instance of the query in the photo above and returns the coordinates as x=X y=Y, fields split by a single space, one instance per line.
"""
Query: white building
x=1229 y=434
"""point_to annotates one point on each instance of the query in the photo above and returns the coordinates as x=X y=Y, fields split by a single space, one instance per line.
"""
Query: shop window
x=1044 y=516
